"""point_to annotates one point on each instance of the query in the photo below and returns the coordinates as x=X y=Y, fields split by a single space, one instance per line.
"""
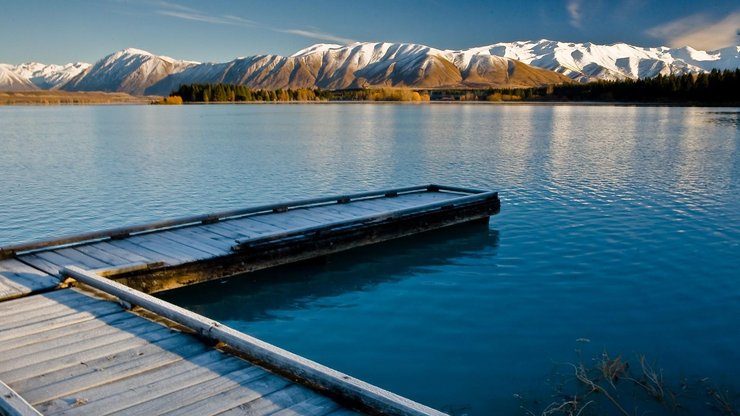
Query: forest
x=713 y=88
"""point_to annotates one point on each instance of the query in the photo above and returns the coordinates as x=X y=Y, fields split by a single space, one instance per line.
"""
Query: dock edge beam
x=364 y=396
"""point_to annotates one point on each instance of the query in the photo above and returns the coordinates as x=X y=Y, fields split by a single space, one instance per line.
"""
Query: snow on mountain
x=361 y=65
x=10 y=81
x=130 y=70
x=49 y=77
x=587 y=61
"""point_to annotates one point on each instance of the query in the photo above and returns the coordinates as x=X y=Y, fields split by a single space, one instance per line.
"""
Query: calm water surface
x=620 y=225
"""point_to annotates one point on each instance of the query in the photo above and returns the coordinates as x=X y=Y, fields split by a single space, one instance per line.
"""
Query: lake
x=619 y=233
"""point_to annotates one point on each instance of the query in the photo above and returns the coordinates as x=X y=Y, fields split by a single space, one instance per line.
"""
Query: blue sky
x=218 y=30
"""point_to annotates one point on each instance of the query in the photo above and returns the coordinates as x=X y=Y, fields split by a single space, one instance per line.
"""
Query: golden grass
x=68 y=98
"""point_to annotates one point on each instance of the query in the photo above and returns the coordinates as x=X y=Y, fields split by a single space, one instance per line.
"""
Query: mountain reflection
x=251 y=297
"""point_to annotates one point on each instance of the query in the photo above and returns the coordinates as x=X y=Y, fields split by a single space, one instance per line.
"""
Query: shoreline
x=85 y=98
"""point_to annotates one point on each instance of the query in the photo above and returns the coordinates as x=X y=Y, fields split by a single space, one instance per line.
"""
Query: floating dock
x=78 y=335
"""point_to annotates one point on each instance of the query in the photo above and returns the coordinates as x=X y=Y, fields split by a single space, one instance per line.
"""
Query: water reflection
x=253 y=296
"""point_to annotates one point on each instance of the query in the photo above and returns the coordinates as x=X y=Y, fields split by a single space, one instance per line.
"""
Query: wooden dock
x=103 y=347
x=173 y=253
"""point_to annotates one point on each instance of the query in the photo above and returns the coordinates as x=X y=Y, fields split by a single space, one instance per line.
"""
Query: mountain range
x=360 y=65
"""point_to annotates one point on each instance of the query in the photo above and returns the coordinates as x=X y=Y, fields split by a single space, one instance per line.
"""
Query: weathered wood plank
x=142 y=387
x=53 y=334
x=12 y=404
x=82 y=258
x=228 y=231
x=197 y=242
x=41 y=264
x=315 y=406
x=201 y=391
x=139 y=250
x=107 y=369
x=272 y=402
x=208 y=237
x=285 y=221
x=63 y=320
x=123 y=253
x=296 y=366
x=227 y=399
x=66 y=364
x=73 y=338
x=20 y=319
x=48 y=359
x=96 y=251
x=169 y=248
x=32 y=302
x=251 y=226
x=26 y=276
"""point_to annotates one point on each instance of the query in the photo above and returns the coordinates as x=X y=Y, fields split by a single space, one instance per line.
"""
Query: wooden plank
x=122 y=365
x=296 y=366
x=315 y=406
x=227 y=399
x=169 y=248
x=12 y=404
x=272 y=402
x=22 y=365
x=32 y=302
x=285 y=221
x=122 y=252
x=317 y=214
x=142 y=387
x=81 y=258
x=96 y=251
x=63 y=320
x=251 y=226
x=189 y=395
x=138 y=250
x=41 y=264
x=197 y=242
x=53 y=334
x=26 y=276
x=228 y=231
x=73 y=337
x=68 y=362
x=206 y=236
x=344 y=412
x=17 y=320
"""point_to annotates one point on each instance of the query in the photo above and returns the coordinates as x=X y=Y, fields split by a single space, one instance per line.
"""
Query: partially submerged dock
x=103 y=346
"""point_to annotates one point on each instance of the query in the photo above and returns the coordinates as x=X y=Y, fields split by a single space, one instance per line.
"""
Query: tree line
x=713 y=88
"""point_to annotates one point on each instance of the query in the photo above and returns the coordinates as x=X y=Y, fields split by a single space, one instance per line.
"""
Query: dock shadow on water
x=252 y=296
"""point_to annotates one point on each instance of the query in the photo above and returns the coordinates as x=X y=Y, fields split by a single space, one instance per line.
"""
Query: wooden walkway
x=106 y=348
x=174 y=253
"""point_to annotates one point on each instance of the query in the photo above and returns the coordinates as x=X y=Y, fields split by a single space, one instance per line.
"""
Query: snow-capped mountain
x=365 y=65
x=49 y=77
x=10 y=81
x=587 y=61
x=130 y=70
x=515 y=64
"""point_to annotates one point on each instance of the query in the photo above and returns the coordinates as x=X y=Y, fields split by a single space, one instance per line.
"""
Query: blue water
x=619 y=225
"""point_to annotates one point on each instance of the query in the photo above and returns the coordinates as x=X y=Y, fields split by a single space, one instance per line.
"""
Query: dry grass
x=68 y=98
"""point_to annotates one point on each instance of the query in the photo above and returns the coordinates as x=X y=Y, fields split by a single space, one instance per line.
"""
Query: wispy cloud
x=179 y=11
x=316 y=35
x=574 y=11
x=700 y=31
x=199 y=17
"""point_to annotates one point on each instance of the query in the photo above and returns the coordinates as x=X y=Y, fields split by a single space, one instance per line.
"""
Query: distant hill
x=374 y=65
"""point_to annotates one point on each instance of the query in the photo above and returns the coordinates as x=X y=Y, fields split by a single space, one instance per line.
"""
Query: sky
x=219 y=30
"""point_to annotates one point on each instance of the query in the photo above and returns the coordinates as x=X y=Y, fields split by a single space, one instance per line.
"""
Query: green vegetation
x=714 y=88
x=207 y=93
